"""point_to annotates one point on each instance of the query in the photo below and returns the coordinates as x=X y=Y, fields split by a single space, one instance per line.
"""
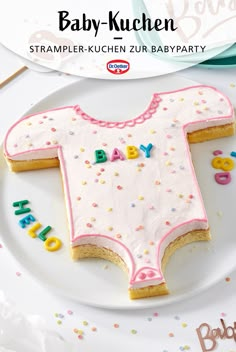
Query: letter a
x=116 y=154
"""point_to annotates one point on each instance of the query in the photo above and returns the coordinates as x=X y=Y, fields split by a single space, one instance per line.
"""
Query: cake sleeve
x=199 y=107
x=39 y=136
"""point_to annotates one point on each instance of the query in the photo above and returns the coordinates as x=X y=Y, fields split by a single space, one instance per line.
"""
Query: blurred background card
x=14 y=67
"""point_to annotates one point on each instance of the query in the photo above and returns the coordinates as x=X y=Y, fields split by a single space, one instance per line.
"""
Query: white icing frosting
x=134 y=207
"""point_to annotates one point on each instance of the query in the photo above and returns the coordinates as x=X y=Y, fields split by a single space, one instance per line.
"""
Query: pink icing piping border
x=112 y=124
x=146 y=115
x=118 y=125
x=141 y=118
x=25 y=118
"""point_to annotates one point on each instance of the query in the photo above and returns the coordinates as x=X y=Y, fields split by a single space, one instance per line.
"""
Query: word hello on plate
x=51 y=244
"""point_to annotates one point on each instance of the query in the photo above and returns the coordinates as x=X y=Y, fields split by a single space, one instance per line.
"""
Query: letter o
x=52 y=244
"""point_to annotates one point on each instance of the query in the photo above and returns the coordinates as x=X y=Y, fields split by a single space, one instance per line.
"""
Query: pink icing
x=148 y=113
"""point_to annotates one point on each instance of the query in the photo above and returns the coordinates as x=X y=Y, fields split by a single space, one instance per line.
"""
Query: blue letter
x=146 y=150
x=26 y=220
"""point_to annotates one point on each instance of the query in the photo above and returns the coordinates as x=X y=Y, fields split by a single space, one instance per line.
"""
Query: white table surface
x=165 y=329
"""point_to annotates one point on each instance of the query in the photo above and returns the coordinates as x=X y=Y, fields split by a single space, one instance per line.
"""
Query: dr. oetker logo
x=118 y=67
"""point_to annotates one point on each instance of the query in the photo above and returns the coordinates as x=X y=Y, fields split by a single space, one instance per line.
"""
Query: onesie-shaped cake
x=130 y=188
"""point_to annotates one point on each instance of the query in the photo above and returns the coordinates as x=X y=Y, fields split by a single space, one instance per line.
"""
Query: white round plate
x=92 y=281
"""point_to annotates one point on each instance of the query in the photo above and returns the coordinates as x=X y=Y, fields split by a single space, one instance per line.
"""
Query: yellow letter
x=131 y=152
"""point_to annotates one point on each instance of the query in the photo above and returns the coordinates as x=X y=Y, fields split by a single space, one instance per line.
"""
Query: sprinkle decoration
x=184 y=348
x=133 y=332
x=140 y=227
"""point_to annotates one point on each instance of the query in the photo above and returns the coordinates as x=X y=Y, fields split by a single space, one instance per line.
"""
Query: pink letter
x=116 y=154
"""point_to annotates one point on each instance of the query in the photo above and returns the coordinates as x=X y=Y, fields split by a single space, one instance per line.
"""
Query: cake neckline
x=146 y=115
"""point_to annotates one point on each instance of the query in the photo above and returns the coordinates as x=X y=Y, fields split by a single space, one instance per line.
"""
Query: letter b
x=63 y=22
x=208 y=336
x=100 y=156
x=131 y=152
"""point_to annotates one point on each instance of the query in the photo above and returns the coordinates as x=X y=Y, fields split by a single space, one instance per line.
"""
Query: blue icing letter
x=146 y=150
x=26 y=221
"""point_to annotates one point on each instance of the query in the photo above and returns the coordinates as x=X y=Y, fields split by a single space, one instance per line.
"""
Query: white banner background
x=209 y=23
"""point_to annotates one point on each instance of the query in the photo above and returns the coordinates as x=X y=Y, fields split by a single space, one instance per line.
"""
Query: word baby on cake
x=131 y=153
x=131 y=192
